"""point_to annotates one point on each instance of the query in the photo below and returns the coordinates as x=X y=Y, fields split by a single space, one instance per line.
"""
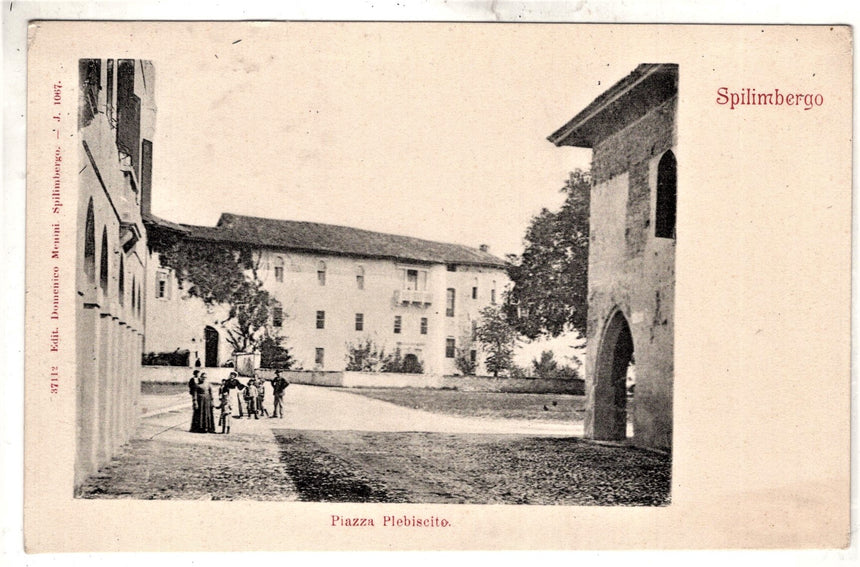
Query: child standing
x=226 y=411
x=251 y=394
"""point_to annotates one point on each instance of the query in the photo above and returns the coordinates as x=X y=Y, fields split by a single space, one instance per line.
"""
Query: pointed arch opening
x=614 y=361
x=121 y=278
x=103 y=261
x=90 y=244
x=667 y=196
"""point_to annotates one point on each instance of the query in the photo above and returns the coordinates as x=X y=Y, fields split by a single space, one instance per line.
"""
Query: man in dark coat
x=279 y=386
x=192 y=384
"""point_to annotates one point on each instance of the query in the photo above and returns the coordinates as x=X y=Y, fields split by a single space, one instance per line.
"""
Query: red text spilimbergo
x=750 y=97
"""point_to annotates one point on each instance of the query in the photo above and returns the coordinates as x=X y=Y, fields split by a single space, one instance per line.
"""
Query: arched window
x=667 y=196
x=321 y=272
x=103 y=261
x=279 y=269
x=121 y=280
x=90 y=245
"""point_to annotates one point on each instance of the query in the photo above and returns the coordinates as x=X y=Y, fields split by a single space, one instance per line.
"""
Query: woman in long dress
x=203 y=419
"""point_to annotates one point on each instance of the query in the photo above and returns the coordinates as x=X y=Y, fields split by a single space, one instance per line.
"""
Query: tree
x=498 y=338
x=550 y=291
x=547 y=368
x=463 y=361
x=221 y=274
x=274 y=355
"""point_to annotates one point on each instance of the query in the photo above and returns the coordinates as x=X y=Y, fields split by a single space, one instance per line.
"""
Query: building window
x=90 y=75
x=121 y=280
x=359 y=321
x=359 y=277
x=474 y=330
x=473 y=356
x=423 y=325
x=162 y=290
x=109 y=103
x=450 y=347
x=414 y=279
x=103 y=269
x=667 y=196
x=128 y=114
x=321 y=272
x=475 y=289
x=279 y=269
x=277 y=316
x=451 y=267
x=493 y=293
x=449 y=302
x=90 y=245
x=411 y=279
x=320 y=319
x=398 y=323
x=319 y=357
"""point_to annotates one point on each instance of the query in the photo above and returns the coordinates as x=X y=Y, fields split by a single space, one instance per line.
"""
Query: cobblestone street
x=340 y=447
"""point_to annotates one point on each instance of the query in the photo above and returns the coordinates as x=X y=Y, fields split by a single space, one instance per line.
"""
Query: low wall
x=357 y=379
x=180 y=375
x=310 y=377
x=390 y=380
x=514 y=385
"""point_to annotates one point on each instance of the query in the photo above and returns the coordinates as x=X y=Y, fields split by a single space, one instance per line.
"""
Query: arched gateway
x=615 y=353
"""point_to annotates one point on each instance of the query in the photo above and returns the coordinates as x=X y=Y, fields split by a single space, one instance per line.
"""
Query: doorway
x=210 y=338
x=614 y=365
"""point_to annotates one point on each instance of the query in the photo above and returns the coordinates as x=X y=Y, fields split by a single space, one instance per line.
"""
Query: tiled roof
x=650 y=82
x=337 y=240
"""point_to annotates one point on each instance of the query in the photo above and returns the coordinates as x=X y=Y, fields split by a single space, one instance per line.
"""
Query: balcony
x=413 y=296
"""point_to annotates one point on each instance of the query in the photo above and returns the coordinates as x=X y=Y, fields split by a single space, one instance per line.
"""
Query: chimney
x=484 y=247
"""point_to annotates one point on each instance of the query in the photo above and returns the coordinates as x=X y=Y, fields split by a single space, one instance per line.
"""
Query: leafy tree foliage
x=463 y=361
x=550 y=291
x=274 y=355
x=548 y=368
x=498 y=339
x=367 y=356
x=221 y=274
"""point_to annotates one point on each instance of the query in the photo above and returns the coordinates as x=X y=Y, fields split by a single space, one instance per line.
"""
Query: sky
x=430 y=130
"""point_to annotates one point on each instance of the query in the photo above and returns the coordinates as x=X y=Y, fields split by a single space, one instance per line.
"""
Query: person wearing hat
x=251 y=394
x=279 y=387
x=192 y=383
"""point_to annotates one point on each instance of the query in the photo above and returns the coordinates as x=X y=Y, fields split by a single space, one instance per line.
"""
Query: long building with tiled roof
x=312 y=237
x=336 y=286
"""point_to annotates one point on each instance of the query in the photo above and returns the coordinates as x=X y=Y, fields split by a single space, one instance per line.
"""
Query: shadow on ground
x=421 y=467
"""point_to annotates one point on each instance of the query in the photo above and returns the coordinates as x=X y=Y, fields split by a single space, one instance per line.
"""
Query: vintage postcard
x=422 y=286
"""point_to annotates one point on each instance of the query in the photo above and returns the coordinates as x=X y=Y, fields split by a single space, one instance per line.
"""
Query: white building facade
x=337 y=287
x=116 y=124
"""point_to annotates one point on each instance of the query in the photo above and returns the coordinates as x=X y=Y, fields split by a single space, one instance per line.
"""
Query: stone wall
x=180 y=375
x=632 y=271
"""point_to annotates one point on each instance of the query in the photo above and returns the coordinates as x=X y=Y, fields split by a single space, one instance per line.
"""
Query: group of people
x=249 y=397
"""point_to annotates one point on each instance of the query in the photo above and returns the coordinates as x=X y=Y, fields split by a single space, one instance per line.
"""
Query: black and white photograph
x=331 y=283
x=436 y=286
